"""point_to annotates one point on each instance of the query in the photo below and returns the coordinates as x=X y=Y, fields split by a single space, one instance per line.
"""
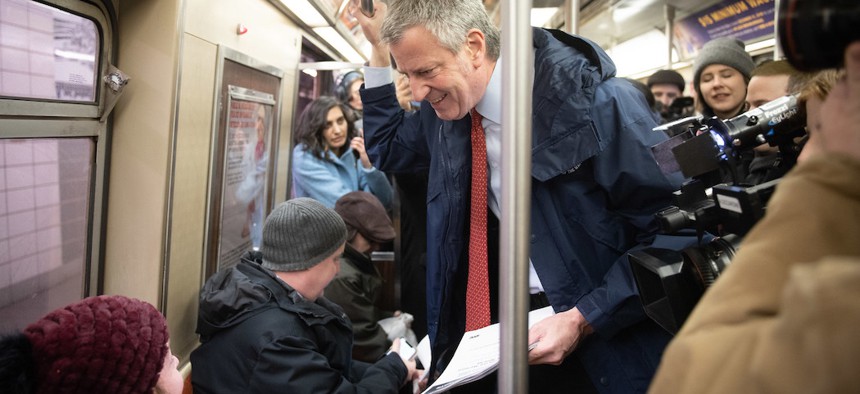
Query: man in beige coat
x=785 y=317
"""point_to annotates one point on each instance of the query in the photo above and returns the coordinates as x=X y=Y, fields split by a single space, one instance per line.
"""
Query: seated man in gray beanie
x=358 y=286
x=266 y=327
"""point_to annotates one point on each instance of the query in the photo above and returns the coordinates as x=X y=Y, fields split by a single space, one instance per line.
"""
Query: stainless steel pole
x=518 y=65
x=670 y=26
x=777 y=46
x=571 y=16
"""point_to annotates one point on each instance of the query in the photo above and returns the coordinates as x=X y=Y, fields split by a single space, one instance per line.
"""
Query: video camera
x=813 y=35
x=699 y=146
x=681 y=107
x=670 y=282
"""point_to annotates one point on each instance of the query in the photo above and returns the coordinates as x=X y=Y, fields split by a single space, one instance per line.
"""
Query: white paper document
x=477 y=355
x=422 y=353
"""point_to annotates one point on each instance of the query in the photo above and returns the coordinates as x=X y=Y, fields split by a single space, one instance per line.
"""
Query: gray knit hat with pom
x=724 y=50
x=299 y=234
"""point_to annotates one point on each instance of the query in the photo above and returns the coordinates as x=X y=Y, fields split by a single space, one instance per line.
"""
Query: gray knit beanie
x=300 y=233
x=724 y=50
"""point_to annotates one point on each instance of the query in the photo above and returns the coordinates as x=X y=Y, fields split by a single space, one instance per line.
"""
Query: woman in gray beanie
x=721 y=74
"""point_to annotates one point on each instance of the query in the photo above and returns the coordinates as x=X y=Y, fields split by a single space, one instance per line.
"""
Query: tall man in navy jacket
x=595 y=183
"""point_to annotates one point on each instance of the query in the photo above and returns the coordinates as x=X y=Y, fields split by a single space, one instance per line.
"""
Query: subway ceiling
x=609 y=22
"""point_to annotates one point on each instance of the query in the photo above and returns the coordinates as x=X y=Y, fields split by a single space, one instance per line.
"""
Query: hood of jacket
x=563 y=132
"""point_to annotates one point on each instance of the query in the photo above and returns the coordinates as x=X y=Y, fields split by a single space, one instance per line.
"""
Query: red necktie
x=478 y=285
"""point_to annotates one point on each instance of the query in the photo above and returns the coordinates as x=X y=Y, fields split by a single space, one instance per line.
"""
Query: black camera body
x=681 y=107
x=698 y=146
x=814 y=33
x=671 y=282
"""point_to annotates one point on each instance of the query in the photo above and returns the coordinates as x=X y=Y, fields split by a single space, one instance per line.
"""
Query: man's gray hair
x=448 y=20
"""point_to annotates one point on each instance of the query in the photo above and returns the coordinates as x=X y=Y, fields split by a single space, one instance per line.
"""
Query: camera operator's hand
x=838 y=131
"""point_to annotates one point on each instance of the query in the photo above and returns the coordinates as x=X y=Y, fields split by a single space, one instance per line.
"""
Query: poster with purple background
x=746 y=20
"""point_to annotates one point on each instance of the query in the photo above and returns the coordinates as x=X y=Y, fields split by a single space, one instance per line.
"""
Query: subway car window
x=53 y=133
x=44 y=189
x=47 y=53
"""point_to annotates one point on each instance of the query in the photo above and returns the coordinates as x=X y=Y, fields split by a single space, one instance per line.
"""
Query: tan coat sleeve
x=781 y=319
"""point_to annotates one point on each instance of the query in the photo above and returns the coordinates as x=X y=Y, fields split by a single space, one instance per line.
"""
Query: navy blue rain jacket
x=595 y=189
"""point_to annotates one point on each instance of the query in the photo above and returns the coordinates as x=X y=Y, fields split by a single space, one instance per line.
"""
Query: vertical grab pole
x=670 y=27
x=777 y=46
x=571 y=16
x=517 y=55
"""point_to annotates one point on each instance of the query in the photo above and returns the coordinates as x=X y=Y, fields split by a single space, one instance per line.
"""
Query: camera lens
x=709 y=261
x=814 y=33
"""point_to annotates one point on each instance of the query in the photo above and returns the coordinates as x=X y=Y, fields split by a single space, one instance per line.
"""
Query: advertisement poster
x=246 y=171
x=352 y=27
x=746 y=20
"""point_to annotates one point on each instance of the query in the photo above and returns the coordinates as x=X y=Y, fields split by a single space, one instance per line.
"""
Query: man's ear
x=476 y=46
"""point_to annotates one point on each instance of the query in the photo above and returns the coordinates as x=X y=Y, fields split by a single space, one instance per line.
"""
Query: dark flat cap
x=669 y=77
x=362 y=212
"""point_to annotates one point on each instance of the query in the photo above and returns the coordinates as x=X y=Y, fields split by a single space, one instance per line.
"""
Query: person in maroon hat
x=357 y=287
x=103 y=344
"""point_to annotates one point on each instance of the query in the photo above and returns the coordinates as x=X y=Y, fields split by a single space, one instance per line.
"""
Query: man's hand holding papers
x=478 y=355
x=554 y=344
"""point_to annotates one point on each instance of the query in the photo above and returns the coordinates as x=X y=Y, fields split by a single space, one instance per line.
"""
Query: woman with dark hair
x=329 y=159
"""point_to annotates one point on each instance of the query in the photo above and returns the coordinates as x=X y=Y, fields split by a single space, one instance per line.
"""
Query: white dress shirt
x=490 y=107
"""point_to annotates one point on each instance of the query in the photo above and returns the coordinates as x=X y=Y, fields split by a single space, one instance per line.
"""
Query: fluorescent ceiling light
x=678 y=65
x=644 y=52
x=761 y=45
x=541 y=16
x=333 y=38
x=624 y=10
x=305 y=11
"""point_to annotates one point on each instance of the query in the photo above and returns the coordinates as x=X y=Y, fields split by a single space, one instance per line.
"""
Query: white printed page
x=477 y=355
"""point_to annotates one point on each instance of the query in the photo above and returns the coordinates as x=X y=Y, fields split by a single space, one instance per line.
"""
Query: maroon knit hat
x=104 y=344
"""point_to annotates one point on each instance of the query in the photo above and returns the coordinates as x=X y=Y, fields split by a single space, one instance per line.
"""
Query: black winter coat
x=259 y=335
